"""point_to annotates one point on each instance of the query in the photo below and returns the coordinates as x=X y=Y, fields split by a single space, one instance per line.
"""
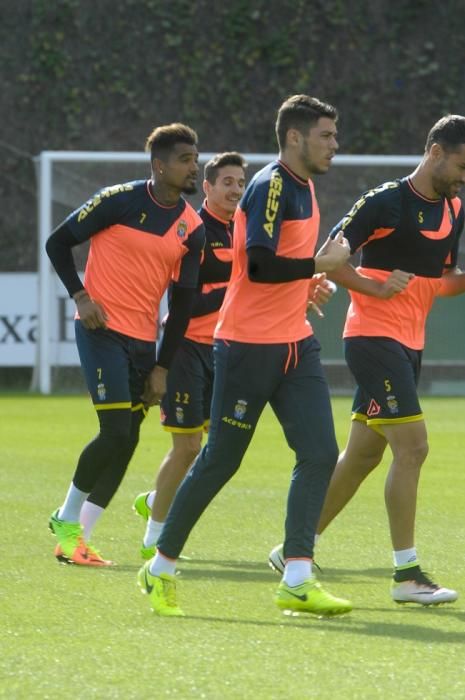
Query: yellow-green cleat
x=141 y=507
x=147 y=552
x=310 y=597
x=161 y=591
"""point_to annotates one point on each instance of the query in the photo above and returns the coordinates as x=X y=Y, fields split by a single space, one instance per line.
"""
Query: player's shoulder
x=124 y=189
x=384 y=192
x=270 y=179
x=457 y=206
x=381 y=197
x=191 y=214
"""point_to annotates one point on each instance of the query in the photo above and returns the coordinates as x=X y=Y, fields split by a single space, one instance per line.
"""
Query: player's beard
x=189 y=189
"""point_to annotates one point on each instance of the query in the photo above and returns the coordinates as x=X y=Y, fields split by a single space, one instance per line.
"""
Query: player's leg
x=302 y=405
x=110 y=480
x=183 y=414
x=408 y=442
x=102 y=359
x=240 y=392
x=363 y=452
x=389 y=372
x=173 y=469
x=242 y=383
x=409 y=445
x=107 y=362
x=140 y=359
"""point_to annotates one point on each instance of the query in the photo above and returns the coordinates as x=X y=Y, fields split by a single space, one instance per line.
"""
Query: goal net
x=67 y=178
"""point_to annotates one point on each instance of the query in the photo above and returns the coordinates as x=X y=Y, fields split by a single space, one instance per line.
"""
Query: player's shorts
x=185 y=408
x=387 y=375
x=115 y=366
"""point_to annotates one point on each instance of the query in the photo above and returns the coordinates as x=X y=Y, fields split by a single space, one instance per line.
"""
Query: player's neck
x=422 y=182
x=219 y=212
x=166 y=195
x=294 y=165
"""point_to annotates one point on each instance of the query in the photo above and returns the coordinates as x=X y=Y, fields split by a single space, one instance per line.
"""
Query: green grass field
x=67 y=632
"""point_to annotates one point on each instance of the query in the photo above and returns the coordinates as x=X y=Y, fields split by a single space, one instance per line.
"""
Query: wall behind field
x=79 y=74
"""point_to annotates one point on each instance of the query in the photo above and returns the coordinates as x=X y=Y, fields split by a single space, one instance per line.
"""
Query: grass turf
x=69 y=632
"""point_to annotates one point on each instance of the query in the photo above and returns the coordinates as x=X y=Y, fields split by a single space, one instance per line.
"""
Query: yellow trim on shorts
x=140 y=407
x=112 y=406
x=183 y=431
x=376 y=424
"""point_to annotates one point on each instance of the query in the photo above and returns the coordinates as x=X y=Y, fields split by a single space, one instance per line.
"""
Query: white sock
x=89 y=516
x=71 y=508
x=405 y=557
x=162 y=565
x=152 y=532
x=297 y=571
x=150 y=498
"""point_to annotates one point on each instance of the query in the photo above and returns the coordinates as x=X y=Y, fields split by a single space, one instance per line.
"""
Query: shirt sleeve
x=369 y=215
x=187 y=274
x=264 y=209
x=102 y=210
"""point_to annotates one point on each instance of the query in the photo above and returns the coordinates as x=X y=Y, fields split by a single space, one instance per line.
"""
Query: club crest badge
x=240 y=409
x=182 y=228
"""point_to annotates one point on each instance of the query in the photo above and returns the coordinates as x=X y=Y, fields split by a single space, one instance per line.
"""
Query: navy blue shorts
x=115 y=366
x=185 y=408
x=387 y=375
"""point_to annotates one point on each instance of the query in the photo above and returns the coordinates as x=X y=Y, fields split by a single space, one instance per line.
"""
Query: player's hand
x=332 y=254
x=395 y=283
x=91 y=313
x=321 y=292
x=155 y=386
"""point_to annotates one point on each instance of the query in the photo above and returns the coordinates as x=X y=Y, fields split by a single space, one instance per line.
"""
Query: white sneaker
x=422 y=590
x=276 y=559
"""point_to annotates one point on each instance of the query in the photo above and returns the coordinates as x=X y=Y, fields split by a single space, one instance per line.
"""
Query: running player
x=264 y=352
x=408 y=232
x=143 y=235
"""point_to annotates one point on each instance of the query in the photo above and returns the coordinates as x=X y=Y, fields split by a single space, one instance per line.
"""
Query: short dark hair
x=161 y=141
x=301 y=112
x=221 y=160
x=448 y=132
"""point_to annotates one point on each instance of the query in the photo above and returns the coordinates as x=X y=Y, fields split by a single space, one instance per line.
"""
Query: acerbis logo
x=237 y=423
x=272 y=203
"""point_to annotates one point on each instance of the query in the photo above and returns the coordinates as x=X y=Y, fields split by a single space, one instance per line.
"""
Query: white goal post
x=47 y=181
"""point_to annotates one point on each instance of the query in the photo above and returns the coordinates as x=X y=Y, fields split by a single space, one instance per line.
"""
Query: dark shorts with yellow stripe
x=387 y=375
x=185 y=407
x=115 y=366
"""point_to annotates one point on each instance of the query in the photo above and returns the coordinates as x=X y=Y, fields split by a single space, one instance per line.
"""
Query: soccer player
x=265 y=352
x=408 y=232
x=143 y=235
x=185 y=408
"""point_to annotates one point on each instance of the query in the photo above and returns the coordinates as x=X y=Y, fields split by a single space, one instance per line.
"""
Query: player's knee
x=188 y=448
x=412 y=455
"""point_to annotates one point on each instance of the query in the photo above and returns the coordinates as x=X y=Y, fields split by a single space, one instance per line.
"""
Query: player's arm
x=371 y=212
x=216 y=265
x=59 y=249
x=263 y=265
x=183 y=297
x=208 y=302
x=452 y=283
x=265 y=209
x=350 y=278
x=453 y=279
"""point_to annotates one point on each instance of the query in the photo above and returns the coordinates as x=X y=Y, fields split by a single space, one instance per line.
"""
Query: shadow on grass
x=256 y=571
x=352 y=624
